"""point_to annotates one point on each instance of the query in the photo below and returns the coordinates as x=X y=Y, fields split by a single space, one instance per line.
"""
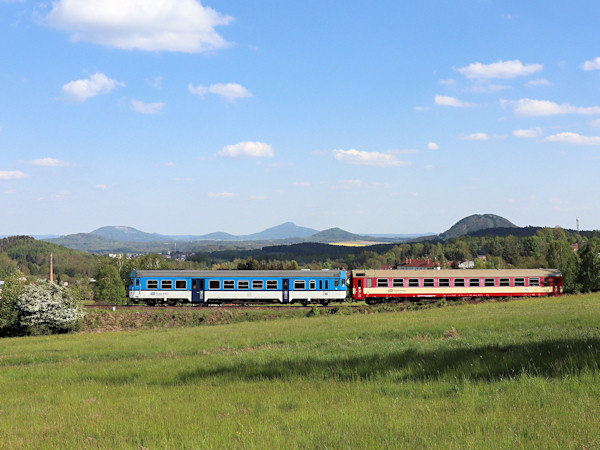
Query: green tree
x=9 y=317
x=560 y=256
x=589 y=268
x=109 y=287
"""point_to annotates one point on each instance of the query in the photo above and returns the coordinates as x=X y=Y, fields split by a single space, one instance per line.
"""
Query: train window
x=180 y=284
x=534 y=282
x=299 y=284
x=428 y=282
x=271 y=284
x=490 y=282
x=214 y=284
x=257 y=284
x=459 y=282
x=474 y=282
x=382 y=282
x=243 y=284
x=313 y=284
x=152 y=284
x=228 y=284
x=360 y=274
x=413 y=282
x=137 y=282
x=398 y=282
x=504 y=281
x=166 y=284
x=337 y=282
x=369 y=282
x=519 y=281
x=343 y=282
x=444 y=282
x=546 y=281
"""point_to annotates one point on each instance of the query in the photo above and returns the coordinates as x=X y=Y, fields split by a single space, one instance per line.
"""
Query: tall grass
x=516 y=374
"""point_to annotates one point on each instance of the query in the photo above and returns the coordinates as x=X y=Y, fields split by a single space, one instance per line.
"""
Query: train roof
x=238 y=273
x=457 y=273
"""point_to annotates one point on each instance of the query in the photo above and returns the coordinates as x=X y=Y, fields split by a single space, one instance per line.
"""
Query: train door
x=286 y=290
x=198 y=289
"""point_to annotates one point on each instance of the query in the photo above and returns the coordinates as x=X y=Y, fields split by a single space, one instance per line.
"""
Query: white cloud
x=59 y=196
x=229 y=91
x=574 y=138
x=81 y=90
x=480 y=137
x=404 y=151
x=14 y=175
x=152 y=25
x=527 y=107
x=301 y=184
x=445 y=100
x=247 y=150
x=50 y=162
x=221 y=194
x=102 y=187
x=357 y=157
x=528 y=133
x=433 y=146
x=595 y=123
x=447 y=82
x=594 y=64
x=476 y=137
x=499 y=69
x=258 y=197
x=347 y=184
x=421 y=108
x=539 y=82
x=155 y=82
x=486 y=88
x=146 y=108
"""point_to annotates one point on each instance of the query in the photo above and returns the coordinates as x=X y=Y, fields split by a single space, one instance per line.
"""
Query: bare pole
x=51 y=269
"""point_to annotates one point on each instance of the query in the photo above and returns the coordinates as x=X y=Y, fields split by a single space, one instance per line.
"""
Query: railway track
x=225 y=306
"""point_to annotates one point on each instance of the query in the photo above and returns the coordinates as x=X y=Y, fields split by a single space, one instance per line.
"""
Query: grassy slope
x=500 y=374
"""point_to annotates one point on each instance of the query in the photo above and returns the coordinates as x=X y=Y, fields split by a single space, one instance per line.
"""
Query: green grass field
x=492 y=375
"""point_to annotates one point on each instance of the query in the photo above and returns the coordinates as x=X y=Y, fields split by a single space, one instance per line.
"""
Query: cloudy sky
x=177 y=117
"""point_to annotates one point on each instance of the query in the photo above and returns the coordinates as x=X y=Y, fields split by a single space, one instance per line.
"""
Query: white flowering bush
x=46 y=308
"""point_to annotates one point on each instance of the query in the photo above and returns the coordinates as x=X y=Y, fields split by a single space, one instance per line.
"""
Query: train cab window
x=180 y=284
x=382 y=282
x=428 y=282
x=243 y=284
x=413 y=282
x=312 y=284
x=504 y=281
x=459 y=282
x=444 y=282
x=137 y=282
x=166 y=284
x=519 y=281
x=474 y=282
x=271 y=284
x=546 y=281
x=534 y=282
x=258 y=284
x=214 y=284
x=152 y=284
x=343 y=282
x=490 y=282
x=398 y=282
x=299 y=285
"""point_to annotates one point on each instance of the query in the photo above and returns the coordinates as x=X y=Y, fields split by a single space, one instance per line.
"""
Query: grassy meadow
x=492 y=375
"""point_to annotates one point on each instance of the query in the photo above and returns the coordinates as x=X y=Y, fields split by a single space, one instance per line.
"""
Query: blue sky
x=180 y=117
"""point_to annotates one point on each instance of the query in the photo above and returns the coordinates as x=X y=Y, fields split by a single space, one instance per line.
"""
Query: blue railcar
x=237 y=286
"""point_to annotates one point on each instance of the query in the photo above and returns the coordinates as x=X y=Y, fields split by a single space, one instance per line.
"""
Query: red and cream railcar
x=376 y=286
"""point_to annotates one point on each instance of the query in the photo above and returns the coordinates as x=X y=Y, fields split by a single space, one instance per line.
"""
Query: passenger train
x=206 y=287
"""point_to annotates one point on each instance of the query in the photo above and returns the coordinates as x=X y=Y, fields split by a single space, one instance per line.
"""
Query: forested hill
x=475 y=224
x=32 y=257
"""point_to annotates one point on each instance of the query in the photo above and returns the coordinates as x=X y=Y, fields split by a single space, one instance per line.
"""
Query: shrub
x=46 y=308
